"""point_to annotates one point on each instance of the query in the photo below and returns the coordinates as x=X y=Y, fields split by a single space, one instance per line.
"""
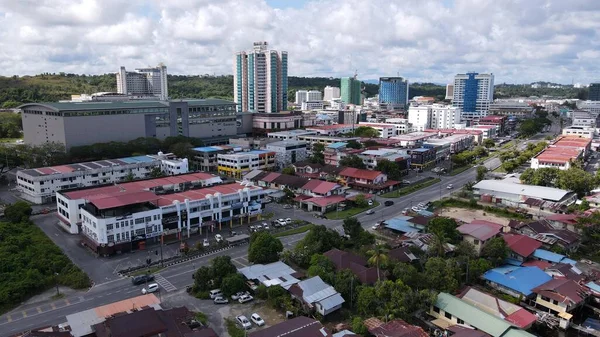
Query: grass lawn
x=410 y=189
x=349 y=212
x=293 y=231
x=499 y=169
x=144 y=271
x=9 y=140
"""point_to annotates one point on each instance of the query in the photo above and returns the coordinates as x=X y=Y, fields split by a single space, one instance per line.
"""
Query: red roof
x=167 y=199
x=521 y=318
x=492 y=118
x=326 y=201
x=395 y=328
x=271 y=176
x=360 y=173
x=521 y=244
x=562 y=290
x=118 y=200
x=564 y=218
x=356 y=264
x=311 y=184
x=537 y=263
x=325 y=187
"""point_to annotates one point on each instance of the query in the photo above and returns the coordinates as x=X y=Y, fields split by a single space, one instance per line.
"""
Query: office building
x=594 y=92
x=308 y=96
x=449 y=91
x=419 y=117
x=350 y=90
x=288 y=152
x=260 y=79
x=288 y=120
x=473 y=93
x=591 y=106
x=144 y=82
x=312 y=105
x=236 y=165
x=331 y=93
x=301 y=96
x=39 y=185
x=75 y=124
x=444 y=116
x=393 y=92
x=205 y=157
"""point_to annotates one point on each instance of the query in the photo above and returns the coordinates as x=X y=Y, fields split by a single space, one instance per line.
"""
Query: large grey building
x=86 y=123
x=144 y=82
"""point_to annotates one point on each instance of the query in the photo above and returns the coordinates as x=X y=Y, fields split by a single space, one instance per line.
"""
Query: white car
x=218 y=238
x=245 y=298
x=243 y=322
x=421 y=205
x=265 y=226
x=205 y=243
x=288 y=221
x=152 y=287
x=450 y=186
x=375 y=226
x=220 y=300
x=416 y=209
x=370 y=212
x=239 y=294
x=370 y=202
x=257 y=319
x=281 y=222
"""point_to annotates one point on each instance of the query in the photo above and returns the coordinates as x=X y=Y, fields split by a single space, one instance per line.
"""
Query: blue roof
x=257 y=152
x=425 y=213
x=519 y=279
x=337 y=145
x=591 y=323
x=401 y=224
x=513 y=262
x=547 y=255
x=420 y=150
x=207 y=149
x=137 y=159
x=593 y=286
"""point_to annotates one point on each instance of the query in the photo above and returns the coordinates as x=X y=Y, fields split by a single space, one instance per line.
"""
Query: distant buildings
x=260 y=79
x=144 y=82
x=393 y=92
x=473 y=93
x=436 y=116
x=563 y=153
x=237 y=164
x=350 y=90
x=331 y=93
x=449 y=91
x=419 y=117
x=594 y=92
x=307 y=96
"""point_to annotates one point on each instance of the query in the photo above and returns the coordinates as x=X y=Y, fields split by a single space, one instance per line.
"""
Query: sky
x=520 y=41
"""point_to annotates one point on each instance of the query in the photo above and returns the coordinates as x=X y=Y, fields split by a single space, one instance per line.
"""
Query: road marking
x=53 y=306
x=39 y=310
x=24 y=313
x=239 y=263
x=164 y=283
x=9 y=318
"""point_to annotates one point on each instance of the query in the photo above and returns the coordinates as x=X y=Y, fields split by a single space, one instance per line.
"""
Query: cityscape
x=265 y=190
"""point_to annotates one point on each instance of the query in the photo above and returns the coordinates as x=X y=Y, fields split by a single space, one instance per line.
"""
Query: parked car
x=281 y=222
x=406 y=182
x=220 y=300
x=152 y=287
x=405 y=211
x=205 y=243
x=243 y=322
x=257 y=319
x=369 y=212
x=376 y=226
x=450 y=186
x=389 y=203
x=421 y=205
x=265 y=225
x=215 y=293
x=142 y=279
x=370 y=202
x=239 y=294
x=416 y=209
x=245 y=298
x=232 y=233
x=218 y=238
x=288 y=221
x=286 y=206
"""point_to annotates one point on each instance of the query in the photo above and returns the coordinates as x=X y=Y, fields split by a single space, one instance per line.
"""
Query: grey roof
x=81 y=322
x=67 y=106
x=316 y=290
x=539 y=192
x=270 y=274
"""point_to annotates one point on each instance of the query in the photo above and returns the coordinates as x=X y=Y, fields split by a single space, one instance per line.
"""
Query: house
x=314 y=294
x=276 y=273
x=401 y=224
x=507 y=311
x=345 y=333
x=479 y=232
x=394 y=328
x=300 y=326
x=521 y=246
x=565 y=270
x=546 y=255
x=307 y=169
x=450 y=311
x=320 y=205
x=516 y=281
x=422 y=241
x=354 y=176
x=564 y=221
x=543 y=231
x=357 y=264
x=402 y=254
x=559 y=297
x=320 y=188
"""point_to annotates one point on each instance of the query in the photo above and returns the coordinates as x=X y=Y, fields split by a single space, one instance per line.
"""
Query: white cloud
x=424 y=40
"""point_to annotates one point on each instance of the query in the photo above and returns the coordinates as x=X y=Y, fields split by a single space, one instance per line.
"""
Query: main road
x=177 y=277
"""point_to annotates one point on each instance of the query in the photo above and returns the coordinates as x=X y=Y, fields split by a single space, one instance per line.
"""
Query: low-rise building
x=385 y=130
x=334 y=152
x=479 y=232
x=272 y=274
x=422 y=158
x=289 y=135
x=495 y=120
x=238 y=164
x=332 y=130
x=327 y=140
x=560 y=297
x=591 y=106
x=288 y=152
x=39 y=185
x=205 y=157
x=320 y=188
x=316 y=295
x=393 y=328
x=521 y=247
x=579 y=131
x=263 y=123
x=511 y=109
x=515 y=194
x=254 y=143
x=413 y=139
x=371 y=158
x=350 y=176
x=488 y=131
x=312 y=105
x=563 y=153
x=516 y=281
x=584 y=119
x=402 y=125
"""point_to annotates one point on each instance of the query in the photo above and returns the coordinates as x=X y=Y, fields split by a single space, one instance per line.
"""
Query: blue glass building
x=393 y=91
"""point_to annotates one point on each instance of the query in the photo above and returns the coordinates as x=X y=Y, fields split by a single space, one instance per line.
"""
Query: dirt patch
x=468 y=215
x=268 y=314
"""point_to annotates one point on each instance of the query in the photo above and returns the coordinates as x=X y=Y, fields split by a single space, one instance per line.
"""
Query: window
x=448 y=315
x=436 y=309
x=118 y=237
x=460 y=321
x=110 y=238
x=139 y=221
x=475 y=242
x=148 y=218
x=116 y=224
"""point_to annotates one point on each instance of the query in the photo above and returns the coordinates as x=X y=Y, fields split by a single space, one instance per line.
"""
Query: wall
x=118 y=128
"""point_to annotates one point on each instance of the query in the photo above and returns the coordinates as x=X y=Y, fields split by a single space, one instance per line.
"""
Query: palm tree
x=437 y=247
x=378 y=256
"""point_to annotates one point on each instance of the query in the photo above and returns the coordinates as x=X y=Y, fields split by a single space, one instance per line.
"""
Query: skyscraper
x=594 y=94
x=350 y=90
x=305 y=96
x=473 y=94
x=393 y=91
x=144 y=82
x=330 y=93
x=260 y=80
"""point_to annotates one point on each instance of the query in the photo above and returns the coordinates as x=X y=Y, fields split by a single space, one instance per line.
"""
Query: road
x=173 y=280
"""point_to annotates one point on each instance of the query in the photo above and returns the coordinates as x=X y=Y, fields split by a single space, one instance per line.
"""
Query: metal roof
x=69 y=106
x=540 y=192
x=547 y=255
x=315 y=290
x=519 y=279
x=270 y=274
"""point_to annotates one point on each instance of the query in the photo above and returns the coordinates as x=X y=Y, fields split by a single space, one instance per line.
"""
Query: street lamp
x=56 y=282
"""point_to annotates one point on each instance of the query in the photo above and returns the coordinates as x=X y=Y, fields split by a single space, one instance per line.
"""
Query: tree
x=264 y=248
x=370 y=143
x=203 y=278
x=358 y=327
x=352 y=144
x=18 y=212
x=156 y=173
x=275 y=294
x=361 y=201
x=576 y=180
x=390 y=168
x=318 y=240
x=481 y=171
x=317 y=156
x=366 y=132
x=496 y=251
x=545 y=176
x=465 y=250
x=408 y=274
x=323 y=267
x=367 y=301
x=232 y=284
x=129 y=176
x=221 y=267
x=444 y=227
x=288 y=194
x=509 y=166
x=585 y=205
x=289 y=170
x=478 y=267
x=352 y=228
x=352 y=161
x=377 y=257
x=346 y=283
x=442 y=275
x=489 y=143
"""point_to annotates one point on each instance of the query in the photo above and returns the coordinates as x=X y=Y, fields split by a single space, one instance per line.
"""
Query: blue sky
x=281 y=4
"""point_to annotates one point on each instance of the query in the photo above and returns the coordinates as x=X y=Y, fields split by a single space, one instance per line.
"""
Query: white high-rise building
x=314 y=95
x=260 y=80
x=331 y=93
x=444 y=116
x=301 y=96
x=144 y=82
x=420 y=117
x=473 y=93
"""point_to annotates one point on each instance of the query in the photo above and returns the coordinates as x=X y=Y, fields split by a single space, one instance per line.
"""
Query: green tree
x=409 y=275
x=346 y=283
x=478 y=267
x=390 y=168
x=289 y=170
x=510 y=166
x=261 y=292
x=221 y=267
x=358 y=327
x=378 y=256
x=481 y=171
x=17 y=212
x=442 y=274
x=489 y=143
x=496 y=251
x=156 y=173
x=367 y=301
x=264 y=248
x=585 y=205
x=352 y=144
x=129 y=176
x=352 y=161
x=465 y=250
x=352 y=228
x=275 y=295
x=546 y=176
x=366 y=132
x=317 y=156
x=576 y=180
x=444 y=227
x=203 y=278
x=361 y=201
x=318 y=240
x=232 y=283
x=321 y=266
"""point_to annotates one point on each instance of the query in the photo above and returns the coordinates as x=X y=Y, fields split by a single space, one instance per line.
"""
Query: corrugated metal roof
x=66 y=106
x=539 y=192
x=547 y=255
x=332 y=301
x=519 y=279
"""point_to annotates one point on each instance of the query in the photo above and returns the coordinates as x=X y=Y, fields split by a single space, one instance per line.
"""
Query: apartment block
x=237 y=165
x=288 y=152
x=331 y=93
x=144 y=82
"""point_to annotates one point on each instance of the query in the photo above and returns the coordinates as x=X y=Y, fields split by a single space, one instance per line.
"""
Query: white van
x=215 y=293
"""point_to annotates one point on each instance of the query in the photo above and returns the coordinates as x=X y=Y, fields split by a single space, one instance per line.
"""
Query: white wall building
x=311 y=105
x=144 y=82
x=288 y=152
x=402 y=125
x=420 y=117
x=301 y=96
x=444 y=116
x=385 y=130
x=39 y=185
x=579 y=131
x=473 y=93
x=331 y=93
x=591 y=106
x=289 y=135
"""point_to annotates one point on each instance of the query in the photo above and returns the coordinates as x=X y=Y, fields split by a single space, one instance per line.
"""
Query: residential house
x=450 y=311
x=566 y=271
x=276 y=273
x=560 y=297
x=516 y=281
x=402 y=254
x=546 y=255
x=543 y=231
x=521 y=246
x=358 y=265
x=507 y=311
x=333 y=153
x=479 y=232
x=370 y=181
x=320 y=205
x=564 y=221
x=320 y=188
x=314 y=294
x=300 y=326
x=307 y=169
x=394 y=328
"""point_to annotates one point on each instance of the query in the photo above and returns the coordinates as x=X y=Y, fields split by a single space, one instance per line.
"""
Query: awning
x=565 y=315
x=442 y=323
